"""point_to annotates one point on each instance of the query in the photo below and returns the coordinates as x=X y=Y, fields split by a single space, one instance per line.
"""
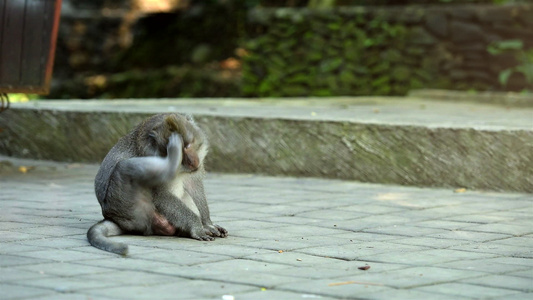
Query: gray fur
x=151 y=182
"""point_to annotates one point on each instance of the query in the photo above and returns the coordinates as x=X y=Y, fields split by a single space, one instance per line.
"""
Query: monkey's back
x=119 y=152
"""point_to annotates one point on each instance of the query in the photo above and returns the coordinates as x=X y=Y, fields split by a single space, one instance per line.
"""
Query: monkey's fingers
x=212 y=231
x=201 y=236
x=223 y=232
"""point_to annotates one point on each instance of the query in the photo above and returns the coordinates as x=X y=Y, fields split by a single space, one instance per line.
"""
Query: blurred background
x=290 y=48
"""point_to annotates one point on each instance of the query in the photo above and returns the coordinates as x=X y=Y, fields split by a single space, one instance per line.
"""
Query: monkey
x=151 y=183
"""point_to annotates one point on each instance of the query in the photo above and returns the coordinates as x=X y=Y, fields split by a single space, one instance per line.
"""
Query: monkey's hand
x=215 y=230
x=174 y=153
x=199 y=233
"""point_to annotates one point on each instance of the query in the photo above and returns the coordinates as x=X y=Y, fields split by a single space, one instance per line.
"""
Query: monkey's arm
x=154 y=170
x=195 y=187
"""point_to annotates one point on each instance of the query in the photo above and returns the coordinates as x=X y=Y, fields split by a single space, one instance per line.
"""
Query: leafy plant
x=524 y=58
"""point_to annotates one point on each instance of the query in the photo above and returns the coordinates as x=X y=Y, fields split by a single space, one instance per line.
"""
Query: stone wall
x=103 y=50
x=384 y=50
x=106 y=48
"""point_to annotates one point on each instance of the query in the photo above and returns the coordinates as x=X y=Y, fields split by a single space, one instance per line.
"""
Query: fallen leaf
x=23 y=169
x=263 y=289
x=280 y=251
x=354 y=282
x=364 y=268
x=461 y=190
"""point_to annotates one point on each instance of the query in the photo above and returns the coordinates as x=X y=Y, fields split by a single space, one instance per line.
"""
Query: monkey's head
x=154 y=133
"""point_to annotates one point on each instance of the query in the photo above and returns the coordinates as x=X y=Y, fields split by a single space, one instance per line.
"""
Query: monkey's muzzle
x=190 y=159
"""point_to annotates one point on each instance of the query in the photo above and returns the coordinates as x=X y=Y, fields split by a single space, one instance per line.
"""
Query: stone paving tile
x=14 y=247
x=491 y=247
x=425 y=257
x=14 y=260
x=273 y=294
x=419 y=243
x=70 y=284
x=13 y=291
x=15 y=274
x=504 y=281
x=179 y=289
x=504 y=228
x=522 y=241
x=392 y=293
x=61 y=255
x=483 y=265
x=430 y=242
x=343 y=288
x=362 y=250
x=411 y=277
x=63 y=269
x=468 y=290
x=443 y=224
x=518 y=296
x=248 y=277
x=70 y=296
x=469 y=235
x=404 y=230
x=54 y=242
x=525 y=274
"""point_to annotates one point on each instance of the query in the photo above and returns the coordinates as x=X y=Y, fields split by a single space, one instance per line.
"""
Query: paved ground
x=290 y=238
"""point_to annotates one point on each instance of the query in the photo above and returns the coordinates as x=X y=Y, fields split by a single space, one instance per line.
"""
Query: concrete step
x=371 y=139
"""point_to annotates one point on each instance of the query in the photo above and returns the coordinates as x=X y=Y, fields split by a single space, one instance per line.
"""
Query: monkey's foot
x=215 y=230
x=201 y=235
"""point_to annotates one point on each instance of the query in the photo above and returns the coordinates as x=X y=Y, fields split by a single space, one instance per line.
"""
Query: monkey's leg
x=180 y=216
x=195 y=187
x=129 y=198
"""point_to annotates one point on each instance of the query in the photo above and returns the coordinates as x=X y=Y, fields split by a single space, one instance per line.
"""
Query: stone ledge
x=511 y=99
x=382 y=140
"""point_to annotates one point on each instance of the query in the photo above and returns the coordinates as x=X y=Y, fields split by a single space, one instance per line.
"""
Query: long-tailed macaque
x=151 y=183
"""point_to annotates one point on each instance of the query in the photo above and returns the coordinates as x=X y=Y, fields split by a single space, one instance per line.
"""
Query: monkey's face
x=194 y=147
x=193 y=139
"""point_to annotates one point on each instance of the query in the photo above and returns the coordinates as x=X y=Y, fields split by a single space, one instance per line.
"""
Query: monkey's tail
x=98 y=237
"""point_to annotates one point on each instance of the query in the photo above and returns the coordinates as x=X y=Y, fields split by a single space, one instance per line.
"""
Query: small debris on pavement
x=461 y=190
x=364 y=268
x=280 y=251
x=354 y=282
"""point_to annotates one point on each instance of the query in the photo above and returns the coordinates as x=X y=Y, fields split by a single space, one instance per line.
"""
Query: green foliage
x=523 y=57
x=22 y=97
x=169 y=82
x=327 y=54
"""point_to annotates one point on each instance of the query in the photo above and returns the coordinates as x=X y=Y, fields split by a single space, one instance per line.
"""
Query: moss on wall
x=378 y=51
